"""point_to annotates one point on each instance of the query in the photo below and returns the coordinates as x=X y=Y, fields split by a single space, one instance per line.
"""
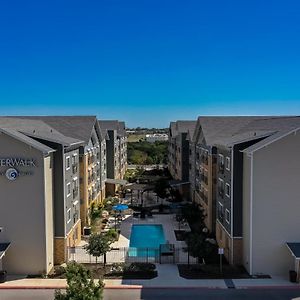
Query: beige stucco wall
x=22 y=213
x=276 y=205
x=49 y=233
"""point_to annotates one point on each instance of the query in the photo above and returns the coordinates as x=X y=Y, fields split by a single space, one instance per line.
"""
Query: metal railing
x=178 y=255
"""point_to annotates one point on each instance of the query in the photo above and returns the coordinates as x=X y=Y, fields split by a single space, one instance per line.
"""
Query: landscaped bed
x=209 y=271
x=114 y=271
x=180 y=235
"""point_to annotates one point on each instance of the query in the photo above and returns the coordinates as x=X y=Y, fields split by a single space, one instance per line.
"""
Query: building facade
x=50 y=189
x=116 y=153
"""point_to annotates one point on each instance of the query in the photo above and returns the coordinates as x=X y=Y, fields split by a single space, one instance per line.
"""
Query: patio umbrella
x=120 y=207
x=105 y=214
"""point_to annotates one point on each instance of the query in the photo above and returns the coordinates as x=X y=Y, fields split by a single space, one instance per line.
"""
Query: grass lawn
x=212 y=272
x=180 y=235
x=135 y=137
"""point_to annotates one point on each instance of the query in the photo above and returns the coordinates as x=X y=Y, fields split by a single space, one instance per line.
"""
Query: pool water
x=145 y=240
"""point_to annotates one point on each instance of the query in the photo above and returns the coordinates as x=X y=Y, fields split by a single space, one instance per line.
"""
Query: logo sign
x=17 y=162
x=221 y=251
x=11 y=174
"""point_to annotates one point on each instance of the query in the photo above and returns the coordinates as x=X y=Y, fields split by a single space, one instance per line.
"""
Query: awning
x=174 y=183
x=116 y=181
x=295 y=249
x=3 y=249
x=140 y=186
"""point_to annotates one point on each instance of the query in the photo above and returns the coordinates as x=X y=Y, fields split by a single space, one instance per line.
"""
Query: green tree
x=98 y=244
x=161 y=188
x=81 y=285
x=198 y=246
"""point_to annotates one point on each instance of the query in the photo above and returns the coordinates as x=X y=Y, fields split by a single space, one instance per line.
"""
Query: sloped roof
x=269 y=140
x=78 y=127
x=182 y=126
x=27 y=140
x=119 y=126
x=234 y=129
x=36 y=128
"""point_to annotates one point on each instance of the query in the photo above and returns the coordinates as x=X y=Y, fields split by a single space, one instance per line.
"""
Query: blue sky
x=150 y=62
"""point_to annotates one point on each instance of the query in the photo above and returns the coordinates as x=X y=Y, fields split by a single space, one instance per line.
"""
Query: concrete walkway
x=168 y=277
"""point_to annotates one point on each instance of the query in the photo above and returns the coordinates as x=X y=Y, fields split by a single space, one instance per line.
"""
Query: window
x=74 y=159
x=227 y=216
x=221 y=187
x=220 y=211
x=227 y=165
x=68 y=189
x=221 y=159
x=69 y=215
x=227 y=190
x=67 y=162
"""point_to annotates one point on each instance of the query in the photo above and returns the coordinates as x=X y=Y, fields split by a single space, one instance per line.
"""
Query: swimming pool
x=145 y=239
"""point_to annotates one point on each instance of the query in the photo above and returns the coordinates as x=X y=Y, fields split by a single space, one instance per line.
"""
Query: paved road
x=165 y=294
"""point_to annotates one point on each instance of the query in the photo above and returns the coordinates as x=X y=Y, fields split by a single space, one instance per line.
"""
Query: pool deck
x=167 y=221
x=169 y=224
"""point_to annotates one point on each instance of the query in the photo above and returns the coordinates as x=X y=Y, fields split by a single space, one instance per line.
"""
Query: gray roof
x=27 y=140
x=231 y=130
x=182 y=126
x=294 y=248
x=119 y=126
x=77 y=127
x=36 y=128
x=270 y=139
x=3 y=249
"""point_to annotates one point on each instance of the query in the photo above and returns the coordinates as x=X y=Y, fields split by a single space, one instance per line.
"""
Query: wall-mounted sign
x=12 y=173
x=17 y=162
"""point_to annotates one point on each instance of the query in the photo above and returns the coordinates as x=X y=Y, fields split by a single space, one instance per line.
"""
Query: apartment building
x=157 y=137
x=202 y=175
x=40 y=213
x=178 y=150
x=116 y=153
x=255 y=188
x=92 y=157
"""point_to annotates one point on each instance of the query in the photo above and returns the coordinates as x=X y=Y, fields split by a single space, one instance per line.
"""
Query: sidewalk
x=168 y=277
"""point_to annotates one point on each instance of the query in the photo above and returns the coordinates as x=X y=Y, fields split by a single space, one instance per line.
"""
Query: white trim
x=251 y=216
x=68 y=184
x=227 y=220
x=228 y=195
x=272 y=141
x=227 y=158
x=68 y=168
x=69 y=220
x=221 y=156
x=224 y=229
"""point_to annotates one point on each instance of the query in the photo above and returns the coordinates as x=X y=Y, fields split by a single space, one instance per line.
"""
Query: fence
x=121 y=255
